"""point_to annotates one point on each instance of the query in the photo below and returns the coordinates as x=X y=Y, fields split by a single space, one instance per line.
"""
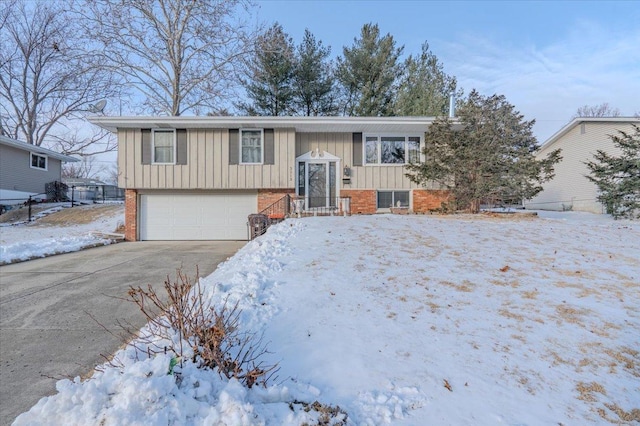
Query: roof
x=579 y=120
x=300 y=124
x=37 y=149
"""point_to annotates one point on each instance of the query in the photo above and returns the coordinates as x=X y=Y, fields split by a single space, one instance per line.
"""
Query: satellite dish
x=99 y=107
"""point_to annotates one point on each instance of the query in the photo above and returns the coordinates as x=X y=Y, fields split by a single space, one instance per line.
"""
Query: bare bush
x=212 y=334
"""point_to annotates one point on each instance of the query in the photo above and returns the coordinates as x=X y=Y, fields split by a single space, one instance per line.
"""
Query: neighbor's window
x=38 y=161
x=164 y=146
x=251 y=146
x=390 y=149
x=388 y=199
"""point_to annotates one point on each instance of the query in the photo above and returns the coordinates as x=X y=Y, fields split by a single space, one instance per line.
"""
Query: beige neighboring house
x=25 y=169
x=579 y=140
x=199 y=178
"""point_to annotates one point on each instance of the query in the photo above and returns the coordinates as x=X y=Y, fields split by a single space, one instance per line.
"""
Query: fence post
x=73 y=190
x=29 y=201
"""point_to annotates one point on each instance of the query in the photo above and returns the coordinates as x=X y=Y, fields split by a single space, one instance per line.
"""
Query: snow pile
x=24 y=241
x=406 y=320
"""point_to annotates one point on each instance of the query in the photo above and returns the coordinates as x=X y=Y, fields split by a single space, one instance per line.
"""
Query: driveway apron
x=55 y=312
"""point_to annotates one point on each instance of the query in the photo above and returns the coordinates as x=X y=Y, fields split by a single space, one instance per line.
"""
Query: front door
x=317 y=181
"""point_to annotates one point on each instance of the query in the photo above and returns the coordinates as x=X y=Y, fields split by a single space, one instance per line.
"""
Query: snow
x=29 y=240
x=405 y=320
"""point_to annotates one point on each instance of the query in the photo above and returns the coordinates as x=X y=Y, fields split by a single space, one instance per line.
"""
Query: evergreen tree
x=618 y=178
x=313 y=81
x=425 y=88
x=368 y=72
x=490 y=156
x=270 y=82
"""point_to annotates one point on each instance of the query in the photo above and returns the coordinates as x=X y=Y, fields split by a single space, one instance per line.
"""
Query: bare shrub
x=212 y=334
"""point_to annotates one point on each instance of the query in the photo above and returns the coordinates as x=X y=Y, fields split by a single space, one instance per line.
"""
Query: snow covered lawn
x=28 y=240
x=407 y=320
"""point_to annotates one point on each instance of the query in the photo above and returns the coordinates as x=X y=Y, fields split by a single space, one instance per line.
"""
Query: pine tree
x=368 y=73
x=313 y=80
x=270 y=82
x=424 y=86
x=488 y=155
x=618 y=178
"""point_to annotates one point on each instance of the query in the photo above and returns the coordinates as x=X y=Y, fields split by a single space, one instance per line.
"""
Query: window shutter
x=234 y=146
x=357 y=149
x=146 y=146
x=269 y=149
x=181 y=146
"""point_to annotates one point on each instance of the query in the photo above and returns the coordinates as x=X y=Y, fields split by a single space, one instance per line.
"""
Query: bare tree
x=180 y=55
x=602 y=110
x=48 y=78
x=87 y=168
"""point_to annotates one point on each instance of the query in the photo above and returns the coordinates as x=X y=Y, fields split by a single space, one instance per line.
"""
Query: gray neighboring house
x=579 y=140
x=27 y=168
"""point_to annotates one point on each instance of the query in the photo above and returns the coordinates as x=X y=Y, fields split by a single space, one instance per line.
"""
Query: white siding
x=570 y=189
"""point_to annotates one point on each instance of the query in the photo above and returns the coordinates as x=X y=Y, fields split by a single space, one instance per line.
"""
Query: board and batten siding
x=570 y=189
x=362 y=177
x=16 y=173
x=207 y=164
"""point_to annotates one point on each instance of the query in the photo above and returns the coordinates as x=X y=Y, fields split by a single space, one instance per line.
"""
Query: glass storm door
x=317 y=183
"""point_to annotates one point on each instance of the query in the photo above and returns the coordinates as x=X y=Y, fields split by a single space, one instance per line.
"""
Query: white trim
x=37 y=149
x=315 y=157
x=379 y=136
x=153 y=145
x=37 y=154
x=261 y=145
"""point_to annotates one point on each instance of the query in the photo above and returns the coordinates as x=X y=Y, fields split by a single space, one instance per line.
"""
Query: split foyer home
x=199 y=178
x=25 y=169
x=579 y=141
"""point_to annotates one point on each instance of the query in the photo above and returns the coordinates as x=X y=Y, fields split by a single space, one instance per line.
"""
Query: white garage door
x=220 y=216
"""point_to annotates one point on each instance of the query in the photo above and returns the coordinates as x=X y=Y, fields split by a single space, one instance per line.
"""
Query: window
x=388 y=199
x=391 y=149
x=38 y=161
x=251 y=146
x=164 y=146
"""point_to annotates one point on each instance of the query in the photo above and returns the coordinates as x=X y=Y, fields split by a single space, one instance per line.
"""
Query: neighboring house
x=579 y=140
x=87 y=189
x=195 y=178
x=26 y=168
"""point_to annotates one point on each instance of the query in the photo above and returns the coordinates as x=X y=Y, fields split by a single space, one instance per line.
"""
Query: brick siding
x=131 y=215
x=267 y=197
x=425 y=200
x=363 y=201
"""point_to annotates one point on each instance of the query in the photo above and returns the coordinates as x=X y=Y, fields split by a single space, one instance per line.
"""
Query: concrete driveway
x=46 y=332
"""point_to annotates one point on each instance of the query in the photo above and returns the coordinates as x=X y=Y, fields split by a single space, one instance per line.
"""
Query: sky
x=548 y=58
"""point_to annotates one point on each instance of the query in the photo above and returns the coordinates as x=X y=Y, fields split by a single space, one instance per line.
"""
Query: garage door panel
x=195 y=216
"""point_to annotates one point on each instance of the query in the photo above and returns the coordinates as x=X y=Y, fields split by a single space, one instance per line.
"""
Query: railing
x=289 y=206
x=322 y=206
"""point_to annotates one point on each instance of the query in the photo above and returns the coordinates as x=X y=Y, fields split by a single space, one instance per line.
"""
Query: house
x=25 y=169
x=195 y=178
x=88 y=189
x=579 y=140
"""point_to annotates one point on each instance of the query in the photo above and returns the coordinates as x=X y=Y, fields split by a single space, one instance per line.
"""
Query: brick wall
x=363 y=201
x=131 y=215
x=425 y=200
x=267 y=197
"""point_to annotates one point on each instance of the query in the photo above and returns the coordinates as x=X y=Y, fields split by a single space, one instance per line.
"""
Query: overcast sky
x=547 y=57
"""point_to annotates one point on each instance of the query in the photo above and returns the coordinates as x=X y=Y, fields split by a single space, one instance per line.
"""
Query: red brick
x=425 y=200
x=131 y=215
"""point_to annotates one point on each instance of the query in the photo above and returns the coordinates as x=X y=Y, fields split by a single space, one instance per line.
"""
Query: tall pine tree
x=269 y=85
x=618 y=178
x=424 y=87
x=491 y=154
x=368 y=72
